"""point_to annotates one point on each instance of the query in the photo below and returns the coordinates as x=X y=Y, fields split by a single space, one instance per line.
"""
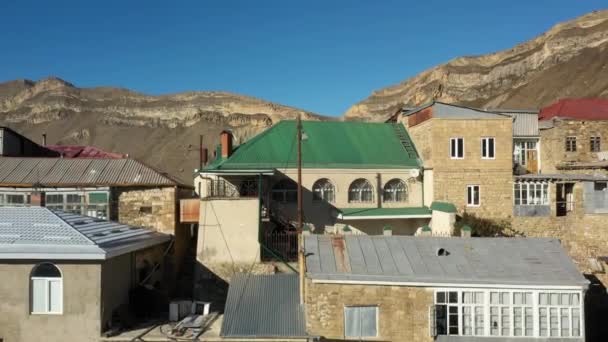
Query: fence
x=283 y=243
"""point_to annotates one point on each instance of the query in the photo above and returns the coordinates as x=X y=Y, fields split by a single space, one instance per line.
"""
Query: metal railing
x=283 y=243
x=221 y=188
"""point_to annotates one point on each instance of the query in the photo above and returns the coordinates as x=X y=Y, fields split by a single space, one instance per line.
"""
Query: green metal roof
x=443 y=206
x=371 y=213
x=326 y=144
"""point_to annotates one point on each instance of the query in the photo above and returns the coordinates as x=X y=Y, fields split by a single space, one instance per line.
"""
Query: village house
x=467 y=155
x=359 y=178
x=67 y=277
x=402 y=288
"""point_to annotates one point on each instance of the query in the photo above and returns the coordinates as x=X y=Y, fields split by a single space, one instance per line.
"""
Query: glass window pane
x=491 y=147
x=528 y=298
x=494 y=299
x=494 y=319
x=576 y=319
x=440 y=297
x=574 y=299
x=517 y=322
x=39 y=295
x=543 y=322
x=368 y=321
x=453 y=297
x=467 y=324
x=504 y=298
x=479 y=320
x=565 y=320
x=478 y=297
x=505 y=321
x=543 y=299
x=467 y=297
x=529 y=321
x=460 y=148
x=46 y=270
x=351 y=322
x=553 y=322
x=565 y=300
x=554 y=299
x=517 y=298
x=55 y=296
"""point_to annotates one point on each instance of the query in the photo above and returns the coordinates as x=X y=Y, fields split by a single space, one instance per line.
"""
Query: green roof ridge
x=446 y=207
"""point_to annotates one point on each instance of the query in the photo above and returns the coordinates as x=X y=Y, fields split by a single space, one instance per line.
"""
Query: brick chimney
x=226 y=143
x=38 y=199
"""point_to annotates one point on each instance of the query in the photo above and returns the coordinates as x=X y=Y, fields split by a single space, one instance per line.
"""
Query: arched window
x=395 y=190
x=286 y=190
x=46 y=289
x=323 y=190
x=360 y=191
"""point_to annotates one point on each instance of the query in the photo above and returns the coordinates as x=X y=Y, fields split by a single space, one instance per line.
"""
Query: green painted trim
x=445 y=207
x=466 y=228
x=371 y=212
x=387 y=227
x=426 y=228
x=346 y=228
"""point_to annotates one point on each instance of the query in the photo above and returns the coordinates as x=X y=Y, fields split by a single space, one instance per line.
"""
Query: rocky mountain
x=569 y=60
x=161 y=130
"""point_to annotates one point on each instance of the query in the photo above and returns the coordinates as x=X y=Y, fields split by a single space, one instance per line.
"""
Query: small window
x=361 y=190
x=46 y=290
x=600 y=186
x=395 y=190
x=457 y=148
x=285 y=191
x=145 y=209
x=595 y=144
x=361 y=321
x=488 y=148
x=473 y=195
x=323 y=190
x=570 y=144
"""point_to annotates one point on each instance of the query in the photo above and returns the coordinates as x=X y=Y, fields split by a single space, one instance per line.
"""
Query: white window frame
x=47 y=286
x=486 y=141
x=536 y=306
x=377 y=309
x=530 y=191
x=457 y=143
x=473 y=186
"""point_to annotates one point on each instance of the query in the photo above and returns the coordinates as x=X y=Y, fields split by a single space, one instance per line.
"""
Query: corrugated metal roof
x=328 y=144
x=579 y=109
x=40 y=233
x=264 y=306
x=525 y=124
x=453 y=111
x=27 y=171
x=507 y=261
x=90 y=152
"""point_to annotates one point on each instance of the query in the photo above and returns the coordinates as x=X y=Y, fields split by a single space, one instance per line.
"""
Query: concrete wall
x=553 y=143
x=375 y=227
x=402 y=311
x=228 y=231
x=117 y=278
x=80 y=320
x=451 y=176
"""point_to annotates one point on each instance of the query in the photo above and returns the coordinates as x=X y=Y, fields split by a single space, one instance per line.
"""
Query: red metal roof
x=90 y=152
x=584 y=109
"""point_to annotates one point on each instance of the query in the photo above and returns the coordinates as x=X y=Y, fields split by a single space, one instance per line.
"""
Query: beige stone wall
x=583 y=235
x=553 y=142
x=402 y=311
x=154 y=208
x=80 y=320
x=451 y=176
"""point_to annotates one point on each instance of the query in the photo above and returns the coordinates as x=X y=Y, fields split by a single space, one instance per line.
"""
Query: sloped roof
x=452 y=111
x=26 y=171
x=584 y=109
x=90 y=152
x=409 y=259
x=264 y=306
x=371 y=213
x=326 y=145
x=41 y=233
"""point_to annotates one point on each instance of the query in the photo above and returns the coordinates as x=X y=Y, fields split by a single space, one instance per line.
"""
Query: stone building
x=400 y=288
x=359 y=178
x=123 y=190
x=467 y=155
x=65 y=277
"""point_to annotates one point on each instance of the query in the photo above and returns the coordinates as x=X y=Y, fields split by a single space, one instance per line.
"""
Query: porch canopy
x=383 y=213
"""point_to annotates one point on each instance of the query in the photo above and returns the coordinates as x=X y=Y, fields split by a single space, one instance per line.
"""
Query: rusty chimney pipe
x=226 y=143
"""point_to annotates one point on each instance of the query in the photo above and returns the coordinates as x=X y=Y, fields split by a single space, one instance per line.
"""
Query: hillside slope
x=569 y=60
x=160 y=130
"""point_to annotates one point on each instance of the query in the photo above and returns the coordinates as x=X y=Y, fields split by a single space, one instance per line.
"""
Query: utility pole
x=300 y=218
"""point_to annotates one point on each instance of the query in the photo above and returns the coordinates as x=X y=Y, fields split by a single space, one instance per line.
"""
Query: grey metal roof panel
x=525 y=124
x=38 y=233
x=83 y=172
x=508 y=261
x=263 y=306
x=450 y=111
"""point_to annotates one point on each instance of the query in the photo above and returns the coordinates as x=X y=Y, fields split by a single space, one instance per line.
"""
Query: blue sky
x=321 y=56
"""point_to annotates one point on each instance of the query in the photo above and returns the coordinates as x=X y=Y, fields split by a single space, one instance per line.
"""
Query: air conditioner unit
x=179 y=309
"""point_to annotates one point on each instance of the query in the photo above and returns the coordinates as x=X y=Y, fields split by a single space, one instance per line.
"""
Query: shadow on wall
x=484 y=227
x=210 y=287
x=596 y=310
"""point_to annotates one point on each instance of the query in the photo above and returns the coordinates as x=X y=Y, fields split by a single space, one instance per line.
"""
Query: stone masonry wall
x=553 y=142
x=154 y=208
x=583 y=235
x=451 y=176
x=402 y=311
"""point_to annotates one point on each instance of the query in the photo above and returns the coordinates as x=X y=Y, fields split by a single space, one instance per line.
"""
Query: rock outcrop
x=569 y=60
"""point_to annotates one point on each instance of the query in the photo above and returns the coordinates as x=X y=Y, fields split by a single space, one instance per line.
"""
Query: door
x=532 y=161
x=564 y=198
